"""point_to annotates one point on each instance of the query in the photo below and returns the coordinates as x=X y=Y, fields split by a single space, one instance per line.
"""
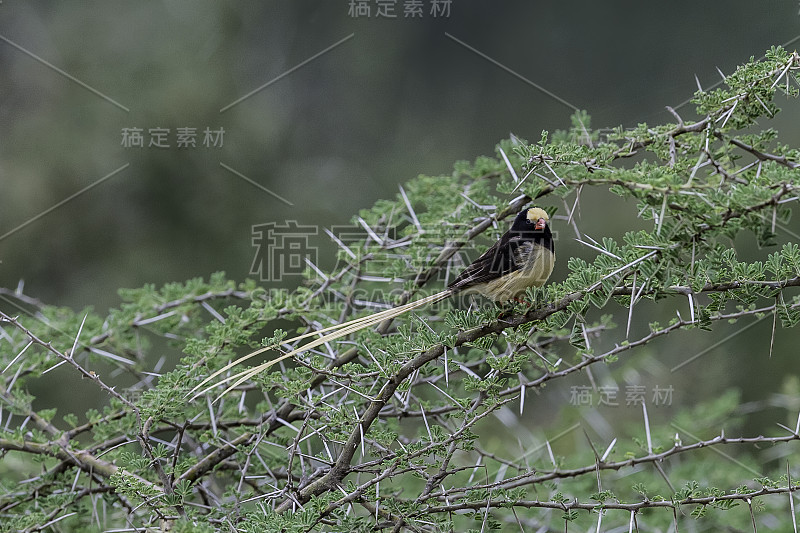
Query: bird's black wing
x=496 y=262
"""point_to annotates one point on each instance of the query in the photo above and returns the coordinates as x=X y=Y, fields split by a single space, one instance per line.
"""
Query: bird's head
x=533 y=219
x=538 y=217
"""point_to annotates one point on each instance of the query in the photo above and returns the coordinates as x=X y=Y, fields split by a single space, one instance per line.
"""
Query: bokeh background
x=350 y=107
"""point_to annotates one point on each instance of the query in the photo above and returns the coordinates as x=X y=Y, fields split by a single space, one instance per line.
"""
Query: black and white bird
x=523 y=257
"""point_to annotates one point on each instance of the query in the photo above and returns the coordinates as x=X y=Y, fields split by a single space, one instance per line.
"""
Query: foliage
x=390 y=429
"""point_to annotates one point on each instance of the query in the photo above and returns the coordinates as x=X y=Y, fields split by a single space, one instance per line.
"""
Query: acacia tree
x=395 y=428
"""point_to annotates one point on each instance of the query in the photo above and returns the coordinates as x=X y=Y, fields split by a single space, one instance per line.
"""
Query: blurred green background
x=390 y=98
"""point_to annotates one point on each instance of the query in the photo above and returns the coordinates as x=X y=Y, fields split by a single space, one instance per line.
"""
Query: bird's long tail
x=333 y=333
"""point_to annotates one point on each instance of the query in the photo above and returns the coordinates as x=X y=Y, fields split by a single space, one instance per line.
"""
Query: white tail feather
x=383 y=315
x=339 y=330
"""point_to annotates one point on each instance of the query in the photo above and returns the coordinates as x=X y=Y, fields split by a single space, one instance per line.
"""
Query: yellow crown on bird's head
x=535 y=213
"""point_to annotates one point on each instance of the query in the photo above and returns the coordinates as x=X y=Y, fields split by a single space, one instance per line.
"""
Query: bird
x=523 y=257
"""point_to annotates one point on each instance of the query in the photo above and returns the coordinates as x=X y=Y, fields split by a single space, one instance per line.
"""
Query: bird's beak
x=540 y=224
